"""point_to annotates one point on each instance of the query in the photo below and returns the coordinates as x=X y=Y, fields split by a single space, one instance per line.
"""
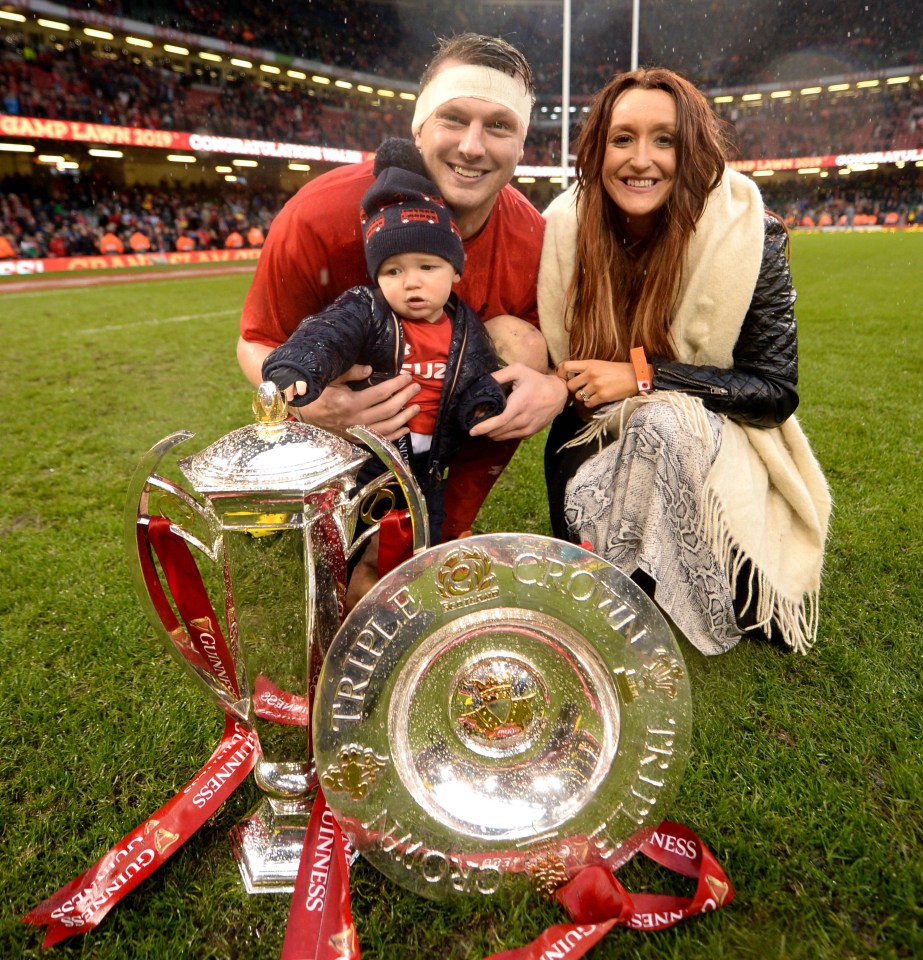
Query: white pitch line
x=156 y=321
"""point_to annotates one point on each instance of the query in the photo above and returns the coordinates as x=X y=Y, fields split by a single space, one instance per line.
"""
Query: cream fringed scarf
x=766 y=499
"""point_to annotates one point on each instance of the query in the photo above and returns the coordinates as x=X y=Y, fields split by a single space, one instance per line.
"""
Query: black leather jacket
x=360 y=327
x=761 y=387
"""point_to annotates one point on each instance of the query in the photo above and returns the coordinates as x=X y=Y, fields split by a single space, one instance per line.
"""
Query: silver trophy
x=273 y=509
x=501 y=710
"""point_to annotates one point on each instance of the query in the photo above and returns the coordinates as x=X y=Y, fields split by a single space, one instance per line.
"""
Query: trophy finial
x=269 y=406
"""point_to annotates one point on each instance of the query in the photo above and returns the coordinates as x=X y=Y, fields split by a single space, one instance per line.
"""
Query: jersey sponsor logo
x=425 y=371
x=428 y=370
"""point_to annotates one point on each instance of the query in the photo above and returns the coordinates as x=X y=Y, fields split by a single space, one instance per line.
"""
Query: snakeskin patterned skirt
x=637 y=501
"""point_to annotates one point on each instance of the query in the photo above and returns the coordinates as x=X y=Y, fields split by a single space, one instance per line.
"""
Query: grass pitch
x=805 y=777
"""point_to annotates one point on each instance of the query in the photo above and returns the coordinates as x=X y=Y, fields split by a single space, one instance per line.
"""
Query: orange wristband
x=642 y=370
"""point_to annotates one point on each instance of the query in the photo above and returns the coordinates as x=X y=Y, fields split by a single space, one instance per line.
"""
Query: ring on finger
x=584 y=396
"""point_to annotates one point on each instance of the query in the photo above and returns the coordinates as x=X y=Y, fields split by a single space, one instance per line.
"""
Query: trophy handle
x=391 y=458
x=213 y=667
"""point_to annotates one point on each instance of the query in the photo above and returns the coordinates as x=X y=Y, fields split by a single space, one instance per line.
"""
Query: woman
x=686 y=468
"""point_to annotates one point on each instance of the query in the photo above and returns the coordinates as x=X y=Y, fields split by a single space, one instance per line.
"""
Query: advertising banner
x=19 y=268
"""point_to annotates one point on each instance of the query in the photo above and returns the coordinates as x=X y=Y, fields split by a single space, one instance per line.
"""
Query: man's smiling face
x=470 y=148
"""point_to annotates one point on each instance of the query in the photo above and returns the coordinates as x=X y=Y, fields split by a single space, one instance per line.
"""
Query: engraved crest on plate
x=547 y=870
x=663 y=675
x=523 y=735
x=498 y=699
x=355 y=772
x=466 y=577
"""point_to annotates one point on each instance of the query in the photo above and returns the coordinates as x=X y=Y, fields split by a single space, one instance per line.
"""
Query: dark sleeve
x=324 y=346
x=761 y=388
x=481 y=400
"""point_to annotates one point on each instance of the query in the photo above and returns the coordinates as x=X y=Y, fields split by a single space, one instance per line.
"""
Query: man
x=469 y=125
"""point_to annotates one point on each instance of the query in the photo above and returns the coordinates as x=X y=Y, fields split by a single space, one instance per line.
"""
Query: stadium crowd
x=371 y=36
x=81 y=82
x=888 y=118
x=106 y=83
x=85 y=216
x=75 y=216
x=883 y=198
x=77 y=84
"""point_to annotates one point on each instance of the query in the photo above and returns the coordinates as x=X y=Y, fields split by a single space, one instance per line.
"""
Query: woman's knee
x=663 y=424
x=656 y=416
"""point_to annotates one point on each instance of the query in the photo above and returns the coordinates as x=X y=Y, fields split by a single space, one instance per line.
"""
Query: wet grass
x=805 y=775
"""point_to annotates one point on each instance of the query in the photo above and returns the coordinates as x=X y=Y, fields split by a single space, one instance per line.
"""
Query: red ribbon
x=273 y=703
x=320 y=923
x=597 y=902
x=202 y=643
x=320 y=920
x=80 y=905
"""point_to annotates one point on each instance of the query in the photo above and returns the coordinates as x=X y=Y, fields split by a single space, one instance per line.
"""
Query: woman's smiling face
x=640 y=163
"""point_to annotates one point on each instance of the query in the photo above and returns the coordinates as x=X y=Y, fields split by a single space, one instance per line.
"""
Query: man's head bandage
x=481 y=83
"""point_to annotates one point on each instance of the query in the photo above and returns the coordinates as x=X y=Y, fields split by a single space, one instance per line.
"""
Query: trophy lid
x=273 y=454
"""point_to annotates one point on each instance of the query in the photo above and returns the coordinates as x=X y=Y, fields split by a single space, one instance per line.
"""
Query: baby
x=409 y=321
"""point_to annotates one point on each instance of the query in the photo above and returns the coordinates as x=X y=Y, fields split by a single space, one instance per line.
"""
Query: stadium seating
x=100 y=82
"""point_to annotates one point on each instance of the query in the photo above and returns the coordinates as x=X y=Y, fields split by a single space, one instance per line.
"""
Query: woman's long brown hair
x=618 y=300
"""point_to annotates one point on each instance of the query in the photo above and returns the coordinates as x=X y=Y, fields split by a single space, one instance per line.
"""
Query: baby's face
x=417 y=285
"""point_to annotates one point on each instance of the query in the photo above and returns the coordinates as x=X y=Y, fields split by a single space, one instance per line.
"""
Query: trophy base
x=267 y=845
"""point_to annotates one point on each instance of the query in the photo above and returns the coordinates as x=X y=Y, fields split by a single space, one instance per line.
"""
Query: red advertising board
x=13 y=268
x=38 y=128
